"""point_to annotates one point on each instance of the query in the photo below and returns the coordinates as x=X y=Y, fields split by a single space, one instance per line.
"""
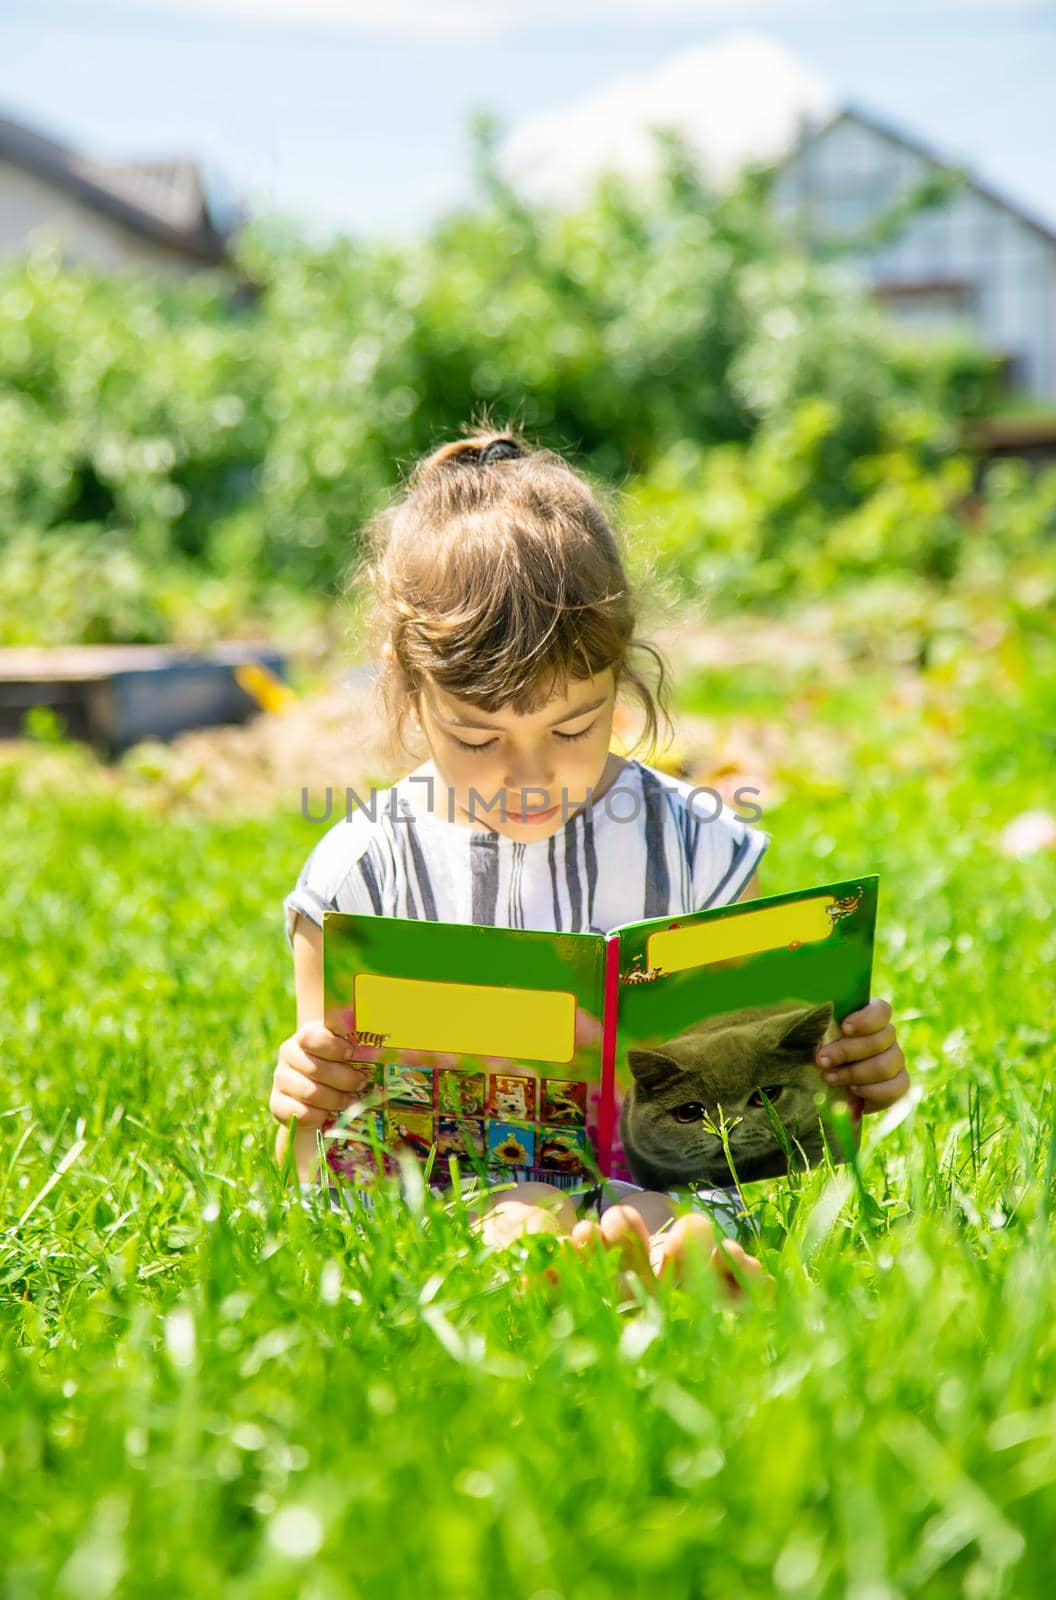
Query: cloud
x=737 y=100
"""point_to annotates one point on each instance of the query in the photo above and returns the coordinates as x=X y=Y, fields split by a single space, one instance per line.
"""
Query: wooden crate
x=114 y=695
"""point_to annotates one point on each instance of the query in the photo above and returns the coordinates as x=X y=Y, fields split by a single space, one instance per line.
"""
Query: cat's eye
x=774 y=1092
x=691 y=1111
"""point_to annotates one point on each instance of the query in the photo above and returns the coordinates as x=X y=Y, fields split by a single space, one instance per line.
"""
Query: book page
x=482 y=1044
x=720 y=1015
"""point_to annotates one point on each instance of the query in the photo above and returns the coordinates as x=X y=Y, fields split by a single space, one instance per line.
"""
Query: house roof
x=869 y=119
x=162 y=201
x=905 y=288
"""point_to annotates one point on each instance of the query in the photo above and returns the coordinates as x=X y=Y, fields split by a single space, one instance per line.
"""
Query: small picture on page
x=459 y=1136
x=511 y=1097
x=413 y=1130
x=562 y=1149
x=360 y=1126
x=511 y=1146
x=462 y=1093
x=409 y=1086
x=563 y=1101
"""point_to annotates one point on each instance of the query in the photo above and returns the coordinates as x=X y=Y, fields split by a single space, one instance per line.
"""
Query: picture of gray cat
x=727 y=1062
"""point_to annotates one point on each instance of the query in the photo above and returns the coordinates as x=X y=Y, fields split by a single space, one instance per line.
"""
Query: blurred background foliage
x=200 y=1369
x=184 y=460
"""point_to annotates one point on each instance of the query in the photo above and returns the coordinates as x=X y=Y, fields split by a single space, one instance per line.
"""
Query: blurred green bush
x=175 y=457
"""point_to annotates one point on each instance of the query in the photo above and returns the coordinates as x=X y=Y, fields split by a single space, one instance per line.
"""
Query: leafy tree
x=673 y=341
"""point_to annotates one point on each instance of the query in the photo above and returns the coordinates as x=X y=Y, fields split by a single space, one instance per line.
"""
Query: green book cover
x=660 y=1052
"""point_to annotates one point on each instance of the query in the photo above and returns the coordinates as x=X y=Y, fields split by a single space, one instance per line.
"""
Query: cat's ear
x=806 y=1029
x=650 y=1070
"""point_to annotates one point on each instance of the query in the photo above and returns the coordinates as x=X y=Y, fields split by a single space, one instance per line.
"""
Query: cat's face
x=720 y=1069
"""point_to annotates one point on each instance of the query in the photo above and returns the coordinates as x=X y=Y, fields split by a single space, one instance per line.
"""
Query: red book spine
x=609 y=1008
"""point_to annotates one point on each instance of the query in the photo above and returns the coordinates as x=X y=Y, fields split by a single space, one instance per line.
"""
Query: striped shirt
x=651 y=846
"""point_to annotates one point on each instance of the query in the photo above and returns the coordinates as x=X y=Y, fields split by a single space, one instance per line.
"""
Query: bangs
x=516 y=657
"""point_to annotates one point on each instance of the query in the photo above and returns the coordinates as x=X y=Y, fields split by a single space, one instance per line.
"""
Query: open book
x=673 y=1051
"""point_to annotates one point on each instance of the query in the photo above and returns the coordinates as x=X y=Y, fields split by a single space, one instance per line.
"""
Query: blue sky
x=353 y=113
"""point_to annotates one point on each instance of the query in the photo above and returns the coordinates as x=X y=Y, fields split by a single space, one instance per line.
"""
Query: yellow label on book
x=467 y=1018
x=725 y=939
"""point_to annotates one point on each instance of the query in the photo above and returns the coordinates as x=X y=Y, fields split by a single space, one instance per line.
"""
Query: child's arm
x=312 y=1078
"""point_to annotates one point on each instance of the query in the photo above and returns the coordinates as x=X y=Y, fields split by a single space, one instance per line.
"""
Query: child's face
x=562 y=749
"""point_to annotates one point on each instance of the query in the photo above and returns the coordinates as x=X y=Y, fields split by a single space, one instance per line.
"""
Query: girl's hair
x=497 y=573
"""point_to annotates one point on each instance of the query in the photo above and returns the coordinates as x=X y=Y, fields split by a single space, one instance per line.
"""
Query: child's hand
x=312 y=1080
x=876 y=1068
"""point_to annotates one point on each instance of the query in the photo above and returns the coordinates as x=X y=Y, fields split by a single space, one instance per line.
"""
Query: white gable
x=974 y=261
x=32 y=209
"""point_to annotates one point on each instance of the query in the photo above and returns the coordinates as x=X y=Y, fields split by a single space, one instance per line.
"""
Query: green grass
x=208 y=1389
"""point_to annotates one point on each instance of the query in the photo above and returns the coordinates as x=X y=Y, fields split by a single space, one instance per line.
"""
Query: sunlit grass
x=211 y=1387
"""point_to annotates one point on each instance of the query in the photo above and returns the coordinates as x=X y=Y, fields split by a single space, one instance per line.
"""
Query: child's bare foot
x=621 y=1229
x=504 y=1223
x=673 y=1254
x=690 y=1241
x=529 y=1208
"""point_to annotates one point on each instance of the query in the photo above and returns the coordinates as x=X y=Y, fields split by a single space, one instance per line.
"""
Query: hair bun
x=499 y=450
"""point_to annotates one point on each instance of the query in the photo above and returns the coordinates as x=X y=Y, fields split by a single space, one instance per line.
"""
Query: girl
x=504 y=629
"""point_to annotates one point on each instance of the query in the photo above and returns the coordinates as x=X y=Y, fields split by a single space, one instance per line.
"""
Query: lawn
x=211 y=1388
